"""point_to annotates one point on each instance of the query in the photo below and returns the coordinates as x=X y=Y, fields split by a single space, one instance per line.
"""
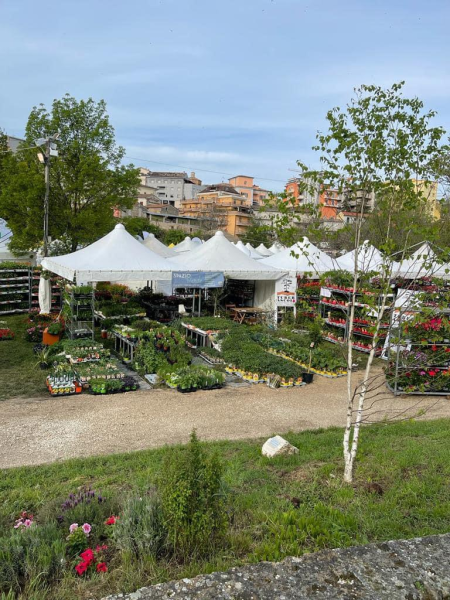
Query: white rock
x=276 y=446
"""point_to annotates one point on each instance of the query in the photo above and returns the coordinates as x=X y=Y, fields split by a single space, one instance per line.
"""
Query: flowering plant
x=77 y=537
x=90 y=558
x=24 y=521
x=6 y=333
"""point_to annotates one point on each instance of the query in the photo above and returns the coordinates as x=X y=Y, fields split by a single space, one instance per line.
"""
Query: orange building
x=221 y=207
x=327 y=199
x=245 y=185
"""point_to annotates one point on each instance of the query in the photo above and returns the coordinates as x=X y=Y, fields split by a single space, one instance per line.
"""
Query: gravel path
x=43 y=430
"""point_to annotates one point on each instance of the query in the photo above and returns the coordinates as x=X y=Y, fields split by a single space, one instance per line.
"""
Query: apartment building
x=172 y=187
x=220 y=206
x=245 y=185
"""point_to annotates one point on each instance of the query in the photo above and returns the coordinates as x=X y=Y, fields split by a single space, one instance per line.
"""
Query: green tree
x=87 y=179
x=376 y=146
x=257 y=234
x=174 y=236
x=136 y=225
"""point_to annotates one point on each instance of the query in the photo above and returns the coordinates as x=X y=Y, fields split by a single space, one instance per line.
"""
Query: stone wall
x=417 y=569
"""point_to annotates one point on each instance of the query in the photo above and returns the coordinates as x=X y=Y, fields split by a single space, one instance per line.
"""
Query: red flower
x=102 y=567
x=81 y=568
x=447 y=349
x=87 y=556
x=434 y=347
x=111 y=521
x=432 y=373
x=100 y=548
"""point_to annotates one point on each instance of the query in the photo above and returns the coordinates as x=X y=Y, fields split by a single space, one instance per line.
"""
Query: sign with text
x=199 y=280
x=286 y=291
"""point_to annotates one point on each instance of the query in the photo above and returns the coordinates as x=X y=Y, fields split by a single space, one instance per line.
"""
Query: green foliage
x=211 y=323
x=34 y=557
x=140 y=530
x=87 y=181
x=55 y=328
x=193 y=499
x=137 y=225
x=194 y=377
x=258 y=234
x=174 y=236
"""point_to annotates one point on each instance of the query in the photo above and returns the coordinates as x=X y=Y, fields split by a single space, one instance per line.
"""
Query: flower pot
x=48 y=338
x=307 y=377
x=104 y=334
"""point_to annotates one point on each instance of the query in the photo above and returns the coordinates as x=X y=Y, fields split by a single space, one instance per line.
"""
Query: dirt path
x=42 y=430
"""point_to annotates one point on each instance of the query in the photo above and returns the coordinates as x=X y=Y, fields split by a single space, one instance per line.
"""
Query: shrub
x=55 y=328
x=140 y=529
x=33 y=556
x=193 y=500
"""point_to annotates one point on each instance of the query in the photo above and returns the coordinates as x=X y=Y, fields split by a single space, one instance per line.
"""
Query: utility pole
x=44 y=157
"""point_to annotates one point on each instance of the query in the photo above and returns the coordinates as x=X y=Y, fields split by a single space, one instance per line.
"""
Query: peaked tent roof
x=218 y=254
x=152 y=243
x=254 y=253
x=187 y=245
x=310 y=259
x=117 y=256
x=422 y=263
x=263 y=250
x=277 y=247
x=369 y=259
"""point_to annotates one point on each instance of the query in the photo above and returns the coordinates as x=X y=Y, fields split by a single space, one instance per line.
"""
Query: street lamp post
x=44 y=157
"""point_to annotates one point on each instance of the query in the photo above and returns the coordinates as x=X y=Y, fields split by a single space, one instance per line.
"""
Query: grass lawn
x=280 y=507
x=19 y=375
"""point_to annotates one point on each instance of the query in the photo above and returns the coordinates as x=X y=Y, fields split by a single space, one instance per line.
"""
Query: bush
x=34 y=556
x=140 y=529
x=193 y=499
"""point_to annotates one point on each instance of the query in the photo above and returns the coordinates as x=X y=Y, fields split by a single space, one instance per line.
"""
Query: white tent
x=240 y=246
x=152 y=243
x=302 y=257
x=263 y=250
x=369 y=259
x=422 y=263
x=253 y=253
x=187 y=245
x=276 y=247
x=218 y=254
x=117 y=256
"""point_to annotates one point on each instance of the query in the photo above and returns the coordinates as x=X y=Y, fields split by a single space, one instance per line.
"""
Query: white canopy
x=187 y=245
x=369 y=259
x=152 y=243
x=240 y=246
x=218 y=254
x=310 y=259
x=117 y=256
x=422 y=263
x=263 y=250
x=253 y=253
x=276 y=247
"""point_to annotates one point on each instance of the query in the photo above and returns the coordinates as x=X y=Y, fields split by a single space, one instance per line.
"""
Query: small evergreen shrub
x=193 y=500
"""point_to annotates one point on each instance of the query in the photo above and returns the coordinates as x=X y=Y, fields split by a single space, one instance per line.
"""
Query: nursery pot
x=104 y=334
x=48 y=338
x=307 y=377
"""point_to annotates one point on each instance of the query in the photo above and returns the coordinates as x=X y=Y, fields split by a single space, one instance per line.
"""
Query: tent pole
x=199 y=301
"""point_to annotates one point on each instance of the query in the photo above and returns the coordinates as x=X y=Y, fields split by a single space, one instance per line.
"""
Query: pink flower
x=28 y=523
x=73 y=527
x=86 y=528
x=18 y=524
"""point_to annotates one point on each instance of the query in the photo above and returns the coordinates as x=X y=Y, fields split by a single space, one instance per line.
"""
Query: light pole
x=44 y=157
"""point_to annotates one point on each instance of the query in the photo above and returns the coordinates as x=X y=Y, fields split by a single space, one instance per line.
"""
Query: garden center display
x=79 y=311
x=419 y=342
x=14 y=288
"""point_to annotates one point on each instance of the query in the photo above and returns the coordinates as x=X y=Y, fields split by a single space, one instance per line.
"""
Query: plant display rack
x=335 y=310
x=14 y=290
x=308 y=298
x=196 y=337
x=81 y=323
x=419 y=348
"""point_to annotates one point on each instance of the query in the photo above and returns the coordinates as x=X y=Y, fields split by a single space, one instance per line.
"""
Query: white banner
x=286 y=291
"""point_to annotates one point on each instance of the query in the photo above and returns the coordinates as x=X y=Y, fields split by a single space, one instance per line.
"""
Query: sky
x=220 y=88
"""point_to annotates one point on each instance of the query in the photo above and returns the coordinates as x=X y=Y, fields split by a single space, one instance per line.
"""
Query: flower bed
x=6 y=333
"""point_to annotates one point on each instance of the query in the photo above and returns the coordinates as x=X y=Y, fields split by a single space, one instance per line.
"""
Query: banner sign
x=199 y=280
x=286 y=291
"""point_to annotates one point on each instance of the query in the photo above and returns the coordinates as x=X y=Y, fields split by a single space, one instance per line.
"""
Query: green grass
x=19 y=375
x=410 y=461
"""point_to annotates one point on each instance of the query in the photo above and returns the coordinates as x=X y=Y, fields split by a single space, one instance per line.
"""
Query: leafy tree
x=87 y=179
x=136 y=225
x=257 y=234
x=174 y=236
x=377 y=145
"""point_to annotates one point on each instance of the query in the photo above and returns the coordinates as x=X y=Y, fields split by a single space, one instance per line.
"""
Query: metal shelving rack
x=340 y=319
x=78 y=326
x=14 y=290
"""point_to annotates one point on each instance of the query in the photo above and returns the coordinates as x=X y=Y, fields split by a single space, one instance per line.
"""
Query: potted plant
x=52 y=333
x=43 y=358
x=308 y=376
